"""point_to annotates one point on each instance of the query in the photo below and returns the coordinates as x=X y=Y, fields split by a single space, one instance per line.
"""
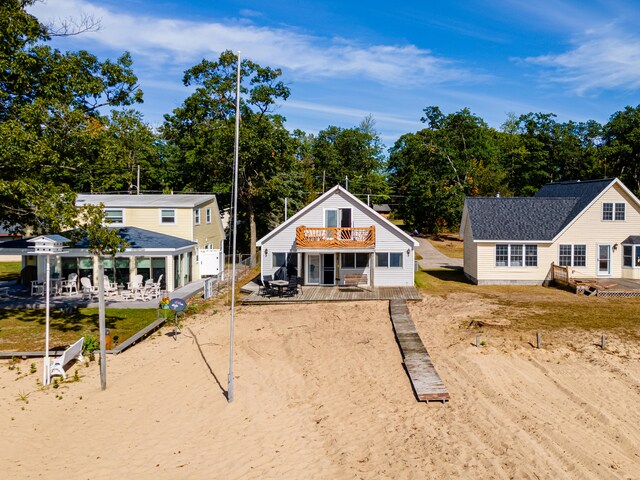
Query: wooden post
x=603 y=342
x=477 y=341
x=538 y=339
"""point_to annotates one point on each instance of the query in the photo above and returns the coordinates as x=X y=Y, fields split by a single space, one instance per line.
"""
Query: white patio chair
x=37 y=288
x=70 y=285
x=88 y=290
x=110 y=288
x=136 y=284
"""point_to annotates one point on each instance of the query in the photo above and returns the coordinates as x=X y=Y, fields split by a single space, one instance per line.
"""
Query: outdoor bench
x=355 y=279
x=73 y=352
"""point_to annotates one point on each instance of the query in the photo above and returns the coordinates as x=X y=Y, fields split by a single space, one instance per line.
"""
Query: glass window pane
x=395 y=259
x=168 y=216
x=382 y=259
x=637 y=256
x=113 y=216
x=330 y=218
x=607 y=211
x=564 y=257
x=627 y=255
x=279 y=259
x=516 y=256
x=143 y=262
x=619 y=211
x=362 y=260
x=158 y=262
x=347 y=260
x=531 y=256
x=579 y=255
x=502 y=259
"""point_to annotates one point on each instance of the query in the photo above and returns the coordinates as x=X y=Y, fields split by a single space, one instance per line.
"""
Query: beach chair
x=88 y=290
x=70 y=285
x=110 y=288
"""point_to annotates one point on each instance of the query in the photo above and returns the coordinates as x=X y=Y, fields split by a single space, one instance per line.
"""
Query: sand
x=321 y=393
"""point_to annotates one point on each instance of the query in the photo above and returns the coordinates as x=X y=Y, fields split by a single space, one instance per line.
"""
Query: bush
x=91 y=344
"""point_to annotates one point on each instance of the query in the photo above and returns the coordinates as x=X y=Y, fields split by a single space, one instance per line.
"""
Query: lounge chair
x=70 y=285
x=88 y=290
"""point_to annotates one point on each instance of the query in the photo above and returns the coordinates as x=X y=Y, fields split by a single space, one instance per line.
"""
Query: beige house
x=192 y=217
x=592 y=227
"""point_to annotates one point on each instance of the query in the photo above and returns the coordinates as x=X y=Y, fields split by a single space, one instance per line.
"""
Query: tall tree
x=49 y=107
x=621 y=149
x=201 y=132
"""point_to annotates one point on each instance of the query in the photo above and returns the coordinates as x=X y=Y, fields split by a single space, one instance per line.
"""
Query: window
x=167 y=216
x=502 y=255
x=278 y=259
x=572 y=255
x=382 y=259
x=613 y=211
x=330 y=218
x=354 y=260
x=516 y=255
x=389 y=259
x=196 y=216
x=531 y=256
x=638 y=256
x=208 y=212
x=627 y=255
x=114 y=216
x=579 y=255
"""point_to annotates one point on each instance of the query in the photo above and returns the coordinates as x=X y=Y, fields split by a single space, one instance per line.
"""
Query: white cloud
x=165 y=42
x=599 y=60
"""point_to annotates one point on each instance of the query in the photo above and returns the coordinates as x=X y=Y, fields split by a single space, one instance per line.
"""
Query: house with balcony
x=335 y=236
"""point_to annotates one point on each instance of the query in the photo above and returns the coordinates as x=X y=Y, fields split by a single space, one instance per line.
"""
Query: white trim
x=610 y=259
x=196 y=219
x=321 y=198
x=524 y=246
x=573 y=254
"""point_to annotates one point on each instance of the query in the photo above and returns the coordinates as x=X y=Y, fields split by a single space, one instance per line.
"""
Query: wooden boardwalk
x=337 y=294
x=427 y=385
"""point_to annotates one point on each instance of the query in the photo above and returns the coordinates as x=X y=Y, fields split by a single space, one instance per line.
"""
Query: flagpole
x=230 y=387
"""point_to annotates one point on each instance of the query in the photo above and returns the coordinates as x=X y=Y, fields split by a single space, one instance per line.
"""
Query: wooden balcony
x=307 y=237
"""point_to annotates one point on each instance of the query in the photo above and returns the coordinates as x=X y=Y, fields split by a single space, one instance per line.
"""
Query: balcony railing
x=364 y=237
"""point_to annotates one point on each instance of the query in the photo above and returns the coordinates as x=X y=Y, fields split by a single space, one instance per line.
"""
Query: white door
x=313 y=269
x=604 y=259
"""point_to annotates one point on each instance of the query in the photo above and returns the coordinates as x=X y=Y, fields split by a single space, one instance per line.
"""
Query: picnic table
x=279 y=284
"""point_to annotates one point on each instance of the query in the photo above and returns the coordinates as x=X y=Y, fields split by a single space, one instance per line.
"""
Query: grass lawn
x=449 y=244
x=9 y=271
x=530 y=308
x=24 y=329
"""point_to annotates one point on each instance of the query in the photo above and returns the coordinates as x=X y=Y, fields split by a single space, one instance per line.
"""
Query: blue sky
x=344 y=60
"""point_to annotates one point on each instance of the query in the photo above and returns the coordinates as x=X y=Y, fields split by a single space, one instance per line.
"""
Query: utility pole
x=323 y=172
x=138 y=182
x=286 y=201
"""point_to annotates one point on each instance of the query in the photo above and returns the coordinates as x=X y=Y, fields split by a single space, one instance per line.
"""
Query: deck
x=608 y=287
x=313 y=294
x=426 y=382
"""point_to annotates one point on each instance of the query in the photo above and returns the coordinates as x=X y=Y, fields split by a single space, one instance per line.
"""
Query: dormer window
x=613 y=211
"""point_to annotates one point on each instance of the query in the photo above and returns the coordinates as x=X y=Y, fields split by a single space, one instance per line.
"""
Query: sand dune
x=321 y=393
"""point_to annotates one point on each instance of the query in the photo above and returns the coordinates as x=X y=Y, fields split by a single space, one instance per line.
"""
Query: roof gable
x=352 y=199
x=554 y=208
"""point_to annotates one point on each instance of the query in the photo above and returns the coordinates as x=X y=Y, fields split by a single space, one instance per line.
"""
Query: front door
x=313 y=269
x=328 y=269
x=604 y=259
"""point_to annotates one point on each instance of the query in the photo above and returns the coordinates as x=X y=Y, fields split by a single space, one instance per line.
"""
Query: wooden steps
x=426 y=383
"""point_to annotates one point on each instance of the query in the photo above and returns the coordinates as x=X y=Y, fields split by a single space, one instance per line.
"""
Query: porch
x=314 y=294
x=601 y=287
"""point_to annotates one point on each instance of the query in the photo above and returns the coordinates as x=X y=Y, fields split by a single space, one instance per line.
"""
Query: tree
x=49 y=112
x=621 y=147
x=200 y=134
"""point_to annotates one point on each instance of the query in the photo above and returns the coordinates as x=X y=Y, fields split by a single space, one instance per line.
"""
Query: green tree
x=200 y=136
x=49 y=108
x=621 y=147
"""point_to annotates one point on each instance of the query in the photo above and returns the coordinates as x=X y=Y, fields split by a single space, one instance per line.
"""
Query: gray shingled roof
x=632 y=240
x=138 y=238
x=532 y=218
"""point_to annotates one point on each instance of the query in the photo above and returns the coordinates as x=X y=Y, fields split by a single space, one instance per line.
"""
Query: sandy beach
x=321 y=393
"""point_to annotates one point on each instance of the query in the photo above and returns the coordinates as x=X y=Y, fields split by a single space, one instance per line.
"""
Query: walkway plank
x=313 y=294
x=426 y=382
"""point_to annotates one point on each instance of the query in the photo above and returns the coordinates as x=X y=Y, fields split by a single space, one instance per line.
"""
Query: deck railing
x=561 y=274
x=363 y=237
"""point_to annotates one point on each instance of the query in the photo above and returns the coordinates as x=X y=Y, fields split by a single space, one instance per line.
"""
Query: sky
x=344 y=60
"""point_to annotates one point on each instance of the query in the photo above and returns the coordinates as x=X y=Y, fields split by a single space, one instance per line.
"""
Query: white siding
x=387 y=240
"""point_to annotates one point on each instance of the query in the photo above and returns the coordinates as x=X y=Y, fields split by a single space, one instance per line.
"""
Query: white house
x=336 y=235
x=592 y=227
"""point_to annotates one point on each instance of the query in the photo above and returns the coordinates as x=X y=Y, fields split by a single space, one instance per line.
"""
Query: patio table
x=280 y=284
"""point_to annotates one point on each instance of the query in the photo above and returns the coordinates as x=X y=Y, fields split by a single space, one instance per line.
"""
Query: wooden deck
x=426 y=382
x=607 y=287
x=337 y=294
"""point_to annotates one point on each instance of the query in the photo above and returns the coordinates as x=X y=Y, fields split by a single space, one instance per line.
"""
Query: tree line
x=67 y=125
